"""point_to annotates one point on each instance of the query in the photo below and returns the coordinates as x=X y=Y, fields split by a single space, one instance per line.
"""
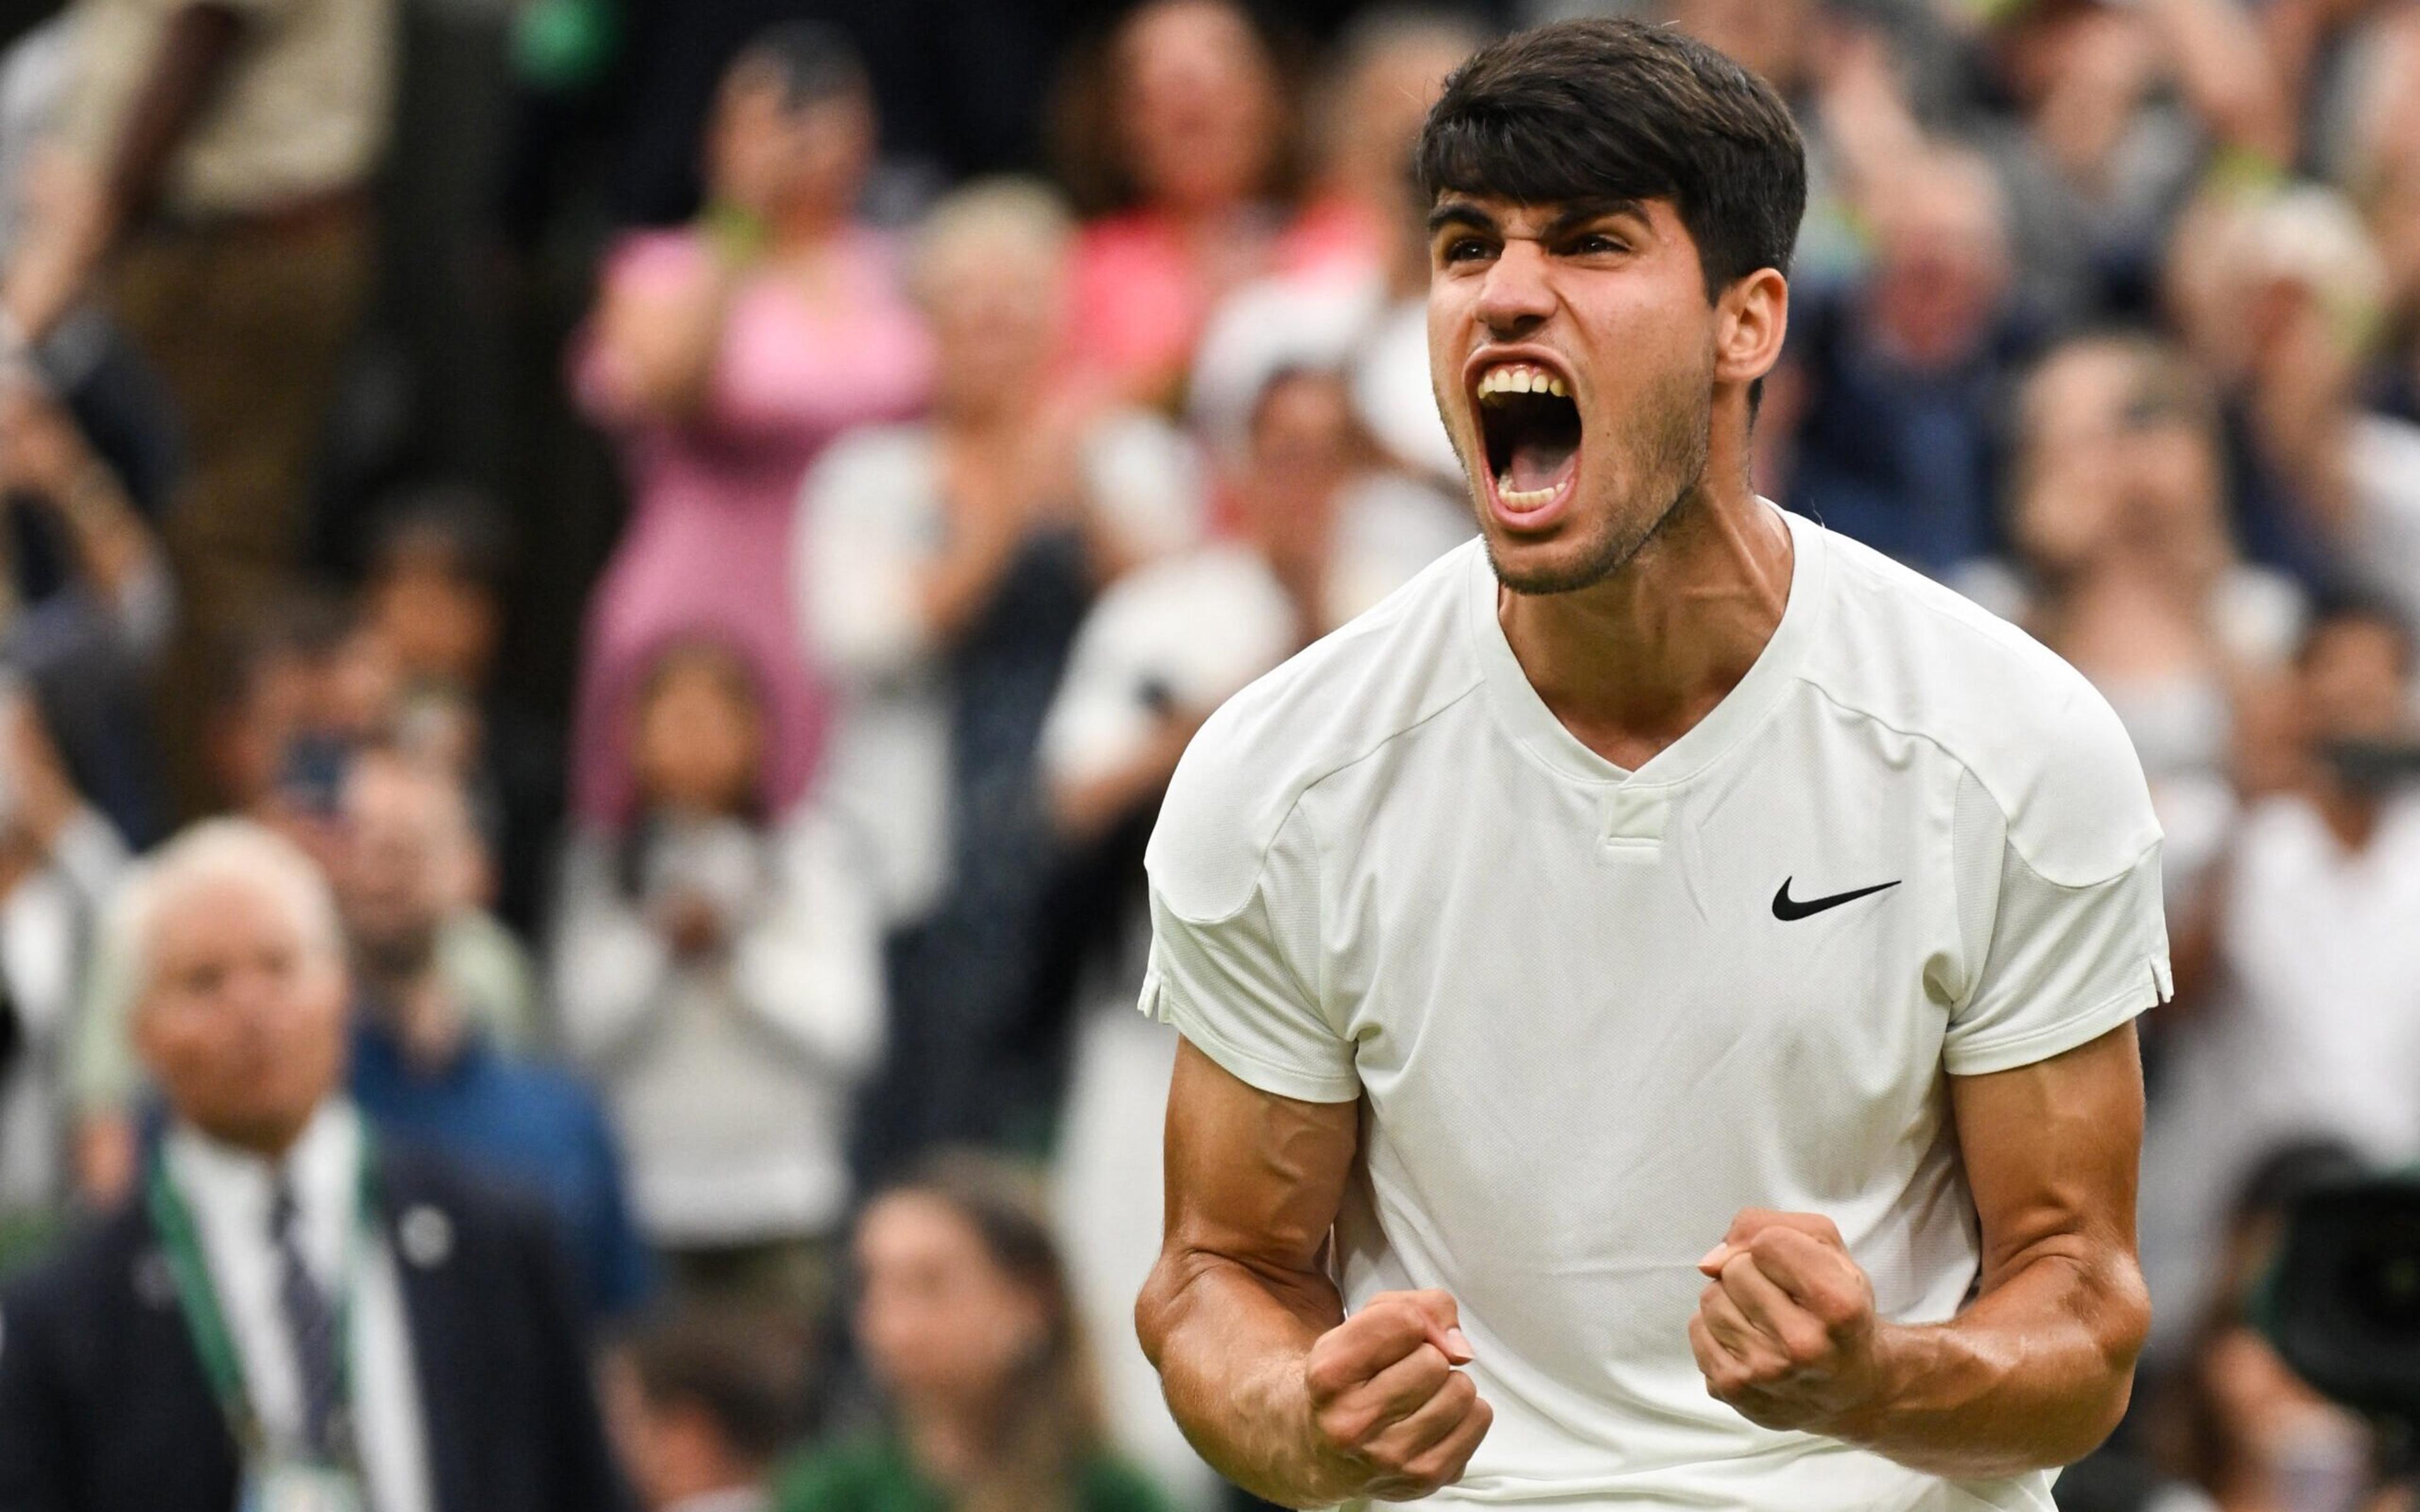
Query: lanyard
x=197 y=1299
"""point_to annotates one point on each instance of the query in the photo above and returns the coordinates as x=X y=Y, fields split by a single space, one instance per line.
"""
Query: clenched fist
x=1786 y=1331
x=1391 y=1416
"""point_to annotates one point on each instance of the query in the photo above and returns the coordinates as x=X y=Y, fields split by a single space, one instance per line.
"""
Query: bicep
x=2051 y=1151
x=1253 y=1177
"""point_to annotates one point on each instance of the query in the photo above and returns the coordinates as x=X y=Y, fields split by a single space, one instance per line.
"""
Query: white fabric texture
x=47 y=923
x=875 y=521
x=731 y=1078
x=1584 y=1033
x=228 y=1191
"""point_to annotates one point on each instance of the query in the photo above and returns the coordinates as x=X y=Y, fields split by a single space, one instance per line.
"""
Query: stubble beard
x=1668 y=439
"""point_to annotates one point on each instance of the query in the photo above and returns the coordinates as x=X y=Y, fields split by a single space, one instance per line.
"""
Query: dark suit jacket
x=104 y=1408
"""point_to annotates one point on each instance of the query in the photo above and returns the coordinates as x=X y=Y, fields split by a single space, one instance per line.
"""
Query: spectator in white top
x=720 y=975
x=2307 y=1023
x=60 y=862
x=1322 y=534
x=943 y=569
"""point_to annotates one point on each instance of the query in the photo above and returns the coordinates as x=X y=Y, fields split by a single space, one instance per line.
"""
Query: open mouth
x=1533 y=430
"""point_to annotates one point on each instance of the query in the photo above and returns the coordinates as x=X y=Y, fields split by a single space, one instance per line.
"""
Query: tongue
x=1539 y=462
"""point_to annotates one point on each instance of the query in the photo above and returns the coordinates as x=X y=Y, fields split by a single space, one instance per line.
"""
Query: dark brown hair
x=1603 y=109
x=746 y=1372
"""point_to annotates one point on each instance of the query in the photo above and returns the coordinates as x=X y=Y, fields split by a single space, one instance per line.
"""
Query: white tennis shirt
x=1583 y=1033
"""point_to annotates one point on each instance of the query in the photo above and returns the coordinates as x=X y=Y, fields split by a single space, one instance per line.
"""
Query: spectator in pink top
x=1181 y=127
x=722 y=356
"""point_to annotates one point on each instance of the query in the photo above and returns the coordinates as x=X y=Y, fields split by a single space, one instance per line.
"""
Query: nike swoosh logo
x=1787 y=908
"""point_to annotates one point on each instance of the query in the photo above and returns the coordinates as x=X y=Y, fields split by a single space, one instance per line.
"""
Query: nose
x=1516 y=298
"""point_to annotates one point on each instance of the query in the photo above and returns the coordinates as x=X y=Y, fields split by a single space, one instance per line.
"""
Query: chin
x=1561 y=560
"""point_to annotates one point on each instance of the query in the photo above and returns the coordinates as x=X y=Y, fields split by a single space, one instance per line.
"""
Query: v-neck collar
x=1529 y=721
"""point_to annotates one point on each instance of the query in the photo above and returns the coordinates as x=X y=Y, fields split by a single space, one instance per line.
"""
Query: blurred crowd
x=602 y=592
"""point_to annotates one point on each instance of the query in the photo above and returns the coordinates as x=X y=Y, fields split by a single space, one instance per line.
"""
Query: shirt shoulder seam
x=1302 y=789
x=2008 y=826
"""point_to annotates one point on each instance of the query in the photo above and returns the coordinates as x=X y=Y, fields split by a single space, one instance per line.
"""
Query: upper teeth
x=1519 y=377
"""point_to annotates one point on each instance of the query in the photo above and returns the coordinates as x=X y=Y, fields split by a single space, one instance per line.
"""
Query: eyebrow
x=1460 y=212
x=1575 y=214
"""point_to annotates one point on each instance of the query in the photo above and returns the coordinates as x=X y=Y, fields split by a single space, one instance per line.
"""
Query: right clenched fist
x=1391 y=1416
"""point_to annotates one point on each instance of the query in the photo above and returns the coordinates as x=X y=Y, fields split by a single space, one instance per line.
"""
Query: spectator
x=2236 y=1421
x=963 y=1317
x=1366 y=313
x=722 y=357
x=60 y=863
x=2119 y=515
x=720 y=974
x=1179 y=130
x=424 y=1070
x=92 y=607
x=1906 y=373
x=434 y=599
x=1321 y=537
x=2280 y=293
x=180 y=1357
x=308 y=692
x=219 y=156
x=2101 y=154
x=1389 y=66
x=2310 y=1023
x=704 y=1404
x=944 y=567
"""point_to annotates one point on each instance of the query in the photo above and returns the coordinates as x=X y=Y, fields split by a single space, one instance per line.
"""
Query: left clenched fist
x=1785 y=1332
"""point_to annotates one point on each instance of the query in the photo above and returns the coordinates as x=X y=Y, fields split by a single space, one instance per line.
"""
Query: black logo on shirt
x=1787 y=908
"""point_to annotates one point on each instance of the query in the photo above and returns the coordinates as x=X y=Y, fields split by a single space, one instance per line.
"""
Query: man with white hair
x=288 y=1313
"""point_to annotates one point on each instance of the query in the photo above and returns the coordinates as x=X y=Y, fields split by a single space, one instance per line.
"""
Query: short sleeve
x=1241 y=981
x=2066 y=954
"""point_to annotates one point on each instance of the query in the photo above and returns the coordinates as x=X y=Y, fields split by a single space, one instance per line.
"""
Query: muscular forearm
x=2035 y=1374
x=1229 y=1344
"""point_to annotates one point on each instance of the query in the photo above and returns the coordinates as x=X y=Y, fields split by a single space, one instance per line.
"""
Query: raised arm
x=1272 y=1384
x=2035 y=1372
x=83 y=219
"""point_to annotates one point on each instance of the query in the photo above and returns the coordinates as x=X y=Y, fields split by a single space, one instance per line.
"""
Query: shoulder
x=646 y=263
x=1905 y=653
x=77 y=1273
x=1332 y=705
x=411 y=1176
x=1213 y=581
x=874 y=463
x=835 y=1478
x=1108 y=1484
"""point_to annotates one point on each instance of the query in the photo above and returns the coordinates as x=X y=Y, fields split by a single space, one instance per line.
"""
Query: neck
x=983 y=418
x=1630 y=663
x=417 y=1008
x=266 y=1137
x=949 y=1440
x=2351 y=817
x=804 y=225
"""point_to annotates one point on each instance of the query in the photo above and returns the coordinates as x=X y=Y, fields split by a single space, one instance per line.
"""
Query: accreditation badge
x=291 y=1485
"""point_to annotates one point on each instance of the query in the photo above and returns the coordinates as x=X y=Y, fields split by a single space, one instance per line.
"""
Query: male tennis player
x=1656 y=991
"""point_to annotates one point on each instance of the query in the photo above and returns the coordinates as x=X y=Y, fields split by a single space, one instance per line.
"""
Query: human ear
x=1750 y=320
